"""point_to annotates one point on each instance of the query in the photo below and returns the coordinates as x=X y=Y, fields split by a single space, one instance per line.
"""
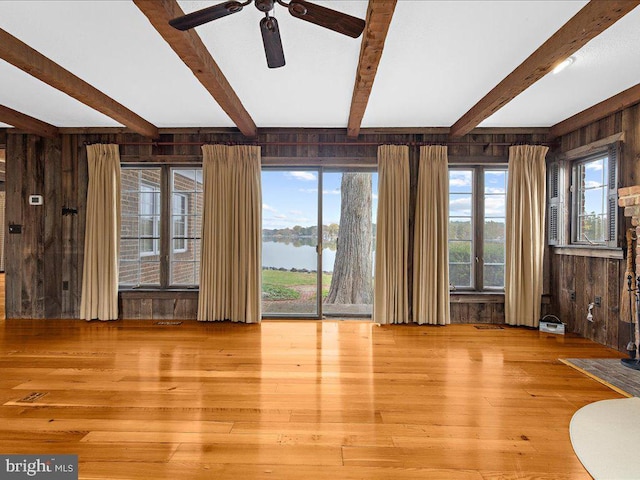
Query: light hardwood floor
x=2 y=296
x=294 y=400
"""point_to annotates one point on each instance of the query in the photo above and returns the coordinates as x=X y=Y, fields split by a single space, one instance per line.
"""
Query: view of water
x=288 y=255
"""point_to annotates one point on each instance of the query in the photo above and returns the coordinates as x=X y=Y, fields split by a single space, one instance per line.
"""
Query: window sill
x=458 y=296
x=589 y=251
x=150 y=292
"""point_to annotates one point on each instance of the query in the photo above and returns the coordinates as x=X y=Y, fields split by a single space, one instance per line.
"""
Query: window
x=477 y=213
x=140 y=226
x=591 y=185
x=186 y=225
x=160 y=236
x=594 y=200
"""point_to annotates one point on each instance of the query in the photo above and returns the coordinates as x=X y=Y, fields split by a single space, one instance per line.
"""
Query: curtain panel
x=391 y=303
x=431 y=248
x=526 y=193
x=230 y=264
x=99 y=298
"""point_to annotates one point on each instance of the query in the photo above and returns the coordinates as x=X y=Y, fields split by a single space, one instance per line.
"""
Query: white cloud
x=295 y=212
x=268 y=208
x=494 y=190
x=592 y=184
x=597 y=165
x=494 y=206
x=460 y=181
x=463 y=202
x=305 y=176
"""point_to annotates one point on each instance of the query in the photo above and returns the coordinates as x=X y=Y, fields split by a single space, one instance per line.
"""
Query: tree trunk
x=352 y=281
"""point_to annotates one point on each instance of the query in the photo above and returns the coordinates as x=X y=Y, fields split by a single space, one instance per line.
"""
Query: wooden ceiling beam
x=34 y=63
x=607 y=107
x=27 y=123
x=379 y=14
x=195 y=55
x=593 y=19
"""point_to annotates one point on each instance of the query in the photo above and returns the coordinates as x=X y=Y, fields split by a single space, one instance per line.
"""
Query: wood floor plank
x=290 y=400
x=172 y=471
x=259 y=454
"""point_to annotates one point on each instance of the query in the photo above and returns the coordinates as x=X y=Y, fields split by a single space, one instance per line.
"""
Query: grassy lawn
x=280 y=285
x=289 y=279
x=278 y=292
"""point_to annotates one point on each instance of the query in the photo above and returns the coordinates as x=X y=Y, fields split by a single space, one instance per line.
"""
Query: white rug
x=606 y=438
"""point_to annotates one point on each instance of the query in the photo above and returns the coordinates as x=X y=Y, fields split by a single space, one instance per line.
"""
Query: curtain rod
x=342 y=144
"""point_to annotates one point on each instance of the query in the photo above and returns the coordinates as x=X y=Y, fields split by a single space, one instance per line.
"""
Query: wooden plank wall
x=589 y=277
x=44 y=262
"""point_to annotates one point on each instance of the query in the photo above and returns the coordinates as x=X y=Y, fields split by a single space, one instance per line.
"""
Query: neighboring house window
x=149 y=219
x=477 y=213
x=160 y=237
x=186 y=225
x=180 y=210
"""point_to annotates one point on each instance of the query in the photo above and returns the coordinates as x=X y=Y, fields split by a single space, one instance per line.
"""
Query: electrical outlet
x=572 y=296
x=598 y=301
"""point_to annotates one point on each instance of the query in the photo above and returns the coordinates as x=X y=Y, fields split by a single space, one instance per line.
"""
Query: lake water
x=287 y=255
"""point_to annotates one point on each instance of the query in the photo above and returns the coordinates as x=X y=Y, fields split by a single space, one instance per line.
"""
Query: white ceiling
x=440 y=58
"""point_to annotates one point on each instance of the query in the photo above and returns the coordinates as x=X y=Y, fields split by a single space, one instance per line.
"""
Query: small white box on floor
x=551 y=324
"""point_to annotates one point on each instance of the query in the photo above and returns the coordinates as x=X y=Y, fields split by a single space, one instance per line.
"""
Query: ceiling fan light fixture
x=564 y=64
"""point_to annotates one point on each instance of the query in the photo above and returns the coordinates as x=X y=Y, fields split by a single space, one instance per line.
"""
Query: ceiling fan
x=325 y=17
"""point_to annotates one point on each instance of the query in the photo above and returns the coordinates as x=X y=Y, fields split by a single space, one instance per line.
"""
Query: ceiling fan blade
x=205 y=15
x=326 y=17
x=272 y=42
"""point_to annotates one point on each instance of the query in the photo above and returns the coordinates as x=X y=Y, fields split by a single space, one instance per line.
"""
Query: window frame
x=171 y=193
x=166 y=225
x=560 y=200
x=609 y=180
x=477 y=224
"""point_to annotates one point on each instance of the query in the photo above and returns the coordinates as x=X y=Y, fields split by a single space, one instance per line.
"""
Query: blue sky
x=290 y=198
x=461 y=187
x=595 y=182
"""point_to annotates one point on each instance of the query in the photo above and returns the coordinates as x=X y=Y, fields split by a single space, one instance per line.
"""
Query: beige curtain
x=391 y=303
x=230 y=266
x=102 y=235
x=431 y=249
x=525 y=234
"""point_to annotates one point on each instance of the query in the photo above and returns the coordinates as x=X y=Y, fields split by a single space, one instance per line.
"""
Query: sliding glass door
x=290 y=260
x=318 y=242
x=349 y=206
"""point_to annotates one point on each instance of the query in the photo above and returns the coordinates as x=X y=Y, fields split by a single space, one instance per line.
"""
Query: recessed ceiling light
x=564 y=64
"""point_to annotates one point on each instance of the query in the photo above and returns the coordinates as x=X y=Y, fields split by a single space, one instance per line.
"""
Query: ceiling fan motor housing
x=264 y=5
